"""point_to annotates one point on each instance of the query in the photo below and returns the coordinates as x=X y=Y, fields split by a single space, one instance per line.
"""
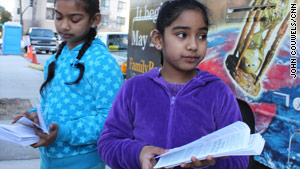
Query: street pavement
x=18 y=80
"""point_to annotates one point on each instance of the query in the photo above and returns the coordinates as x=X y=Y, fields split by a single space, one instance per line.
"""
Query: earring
x=158 y=46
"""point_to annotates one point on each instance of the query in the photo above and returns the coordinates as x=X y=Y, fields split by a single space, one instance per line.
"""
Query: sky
x=8 y=5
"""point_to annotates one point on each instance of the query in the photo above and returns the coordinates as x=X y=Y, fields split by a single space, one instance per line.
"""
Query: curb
x=36 y=66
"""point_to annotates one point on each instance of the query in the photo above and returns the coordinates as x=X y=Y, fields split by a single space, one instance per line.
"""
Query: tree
x=5 y=16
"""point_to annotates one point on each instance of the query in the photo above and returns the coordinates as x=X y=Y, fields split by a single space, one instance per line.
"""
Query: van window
x=42 y=33
x=120 y=41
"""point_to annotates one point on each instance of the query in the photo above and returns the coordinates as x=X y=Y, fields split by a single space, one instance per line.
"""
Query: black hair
x=172 y=9
x=91 y=7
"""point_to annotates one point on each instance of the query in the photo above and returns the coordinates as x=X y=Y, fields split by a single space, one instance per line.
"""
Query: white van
x=117 y=43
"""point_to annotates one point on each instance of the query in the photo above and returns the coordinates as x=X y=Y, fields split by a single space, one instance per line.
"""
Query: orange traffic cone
x=29 y=52
x=34 y=60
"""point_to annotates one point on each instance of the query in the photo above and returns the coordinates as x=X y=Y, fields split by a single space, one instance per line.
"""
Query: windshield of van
x=118 y=40
x=42 y=33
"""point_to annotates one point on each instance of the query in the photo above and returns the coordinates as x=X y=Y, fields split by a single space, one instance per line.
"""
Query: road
x=41 y=58
x=18 y=80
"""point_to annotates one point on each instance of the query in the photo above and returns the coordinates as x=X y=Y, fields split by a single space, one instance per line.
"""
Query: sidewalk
x=17 y=80
x=20 y=164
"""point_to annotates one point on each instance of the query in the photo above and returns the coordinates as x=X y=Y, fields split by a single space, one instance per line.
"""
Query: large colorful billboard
x=254 y=47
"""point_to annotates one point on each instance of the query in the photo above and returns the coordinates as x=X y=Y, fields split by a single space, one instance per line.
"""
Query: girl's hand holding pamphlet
x=23 y=132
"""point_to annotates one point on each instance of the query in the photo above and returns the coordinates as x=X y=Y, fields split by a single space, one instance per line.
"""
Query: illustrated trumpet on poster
x=266 y=24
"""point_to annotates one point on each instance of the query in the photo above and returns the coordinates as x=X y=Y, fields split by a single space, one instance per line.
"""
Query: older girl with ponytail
x=82 y=79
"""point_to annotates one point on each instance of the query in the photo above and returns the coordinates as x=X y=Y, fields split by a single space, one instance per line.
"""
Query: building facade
x=115 y=14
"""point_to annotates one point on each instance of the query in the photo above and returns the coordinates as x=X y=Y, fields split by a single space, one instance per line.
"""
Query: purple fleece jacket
x=145 y=113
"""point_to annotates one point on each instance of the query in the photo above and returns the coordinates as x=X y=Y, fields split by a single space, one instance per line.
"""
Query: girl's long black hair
x=76 y=63
x=91 y=7
x=172 y=9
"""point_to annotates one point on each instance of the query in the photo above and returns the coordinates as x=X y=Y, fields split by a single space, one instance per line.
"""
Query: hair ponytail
x=76 y=63
x=85 y=46
x=51 y=67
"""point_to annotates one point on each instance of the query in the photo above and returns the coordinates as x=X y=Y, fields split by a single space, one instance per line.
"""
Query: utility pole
x=33 y=5
x=22 y=12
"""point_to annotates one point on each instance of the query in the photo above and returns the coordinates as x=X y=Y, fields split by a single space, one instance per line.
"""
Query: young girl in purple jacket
x=172 y=106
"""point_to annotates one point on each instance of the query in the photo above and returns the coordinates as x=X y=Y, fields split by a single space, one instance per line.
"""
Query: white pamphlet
x=23 y=133
x=234 y=139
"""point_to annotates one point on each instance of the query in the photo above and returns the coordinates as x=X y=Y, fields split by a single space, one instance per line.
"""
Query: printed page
x=201 y=151
x=237 y=127
x=17 y=131
x=19 y=134
x=228 y=131
x=41 y=119
x=255 y=147
x=230 y=138
x=23 y=133
x=27 y=122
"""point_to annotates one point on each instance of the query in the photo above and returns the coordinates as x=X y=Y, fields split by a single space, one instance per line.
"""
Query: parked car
x=117 y=43
x=42 y=39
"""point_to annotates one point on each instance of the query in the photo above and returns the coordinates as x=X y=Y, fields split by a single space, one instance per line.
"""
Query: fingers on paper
x=199 y=163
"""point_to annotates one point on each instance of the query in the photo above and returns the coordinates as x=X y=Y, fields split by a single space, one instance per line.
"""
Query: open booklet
x=23 y=133
x=232 y=140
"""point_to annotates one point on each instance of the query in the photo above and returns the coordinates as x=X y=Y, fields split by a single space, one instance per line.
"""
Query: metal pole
x=21 y=15
x=33 y=23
